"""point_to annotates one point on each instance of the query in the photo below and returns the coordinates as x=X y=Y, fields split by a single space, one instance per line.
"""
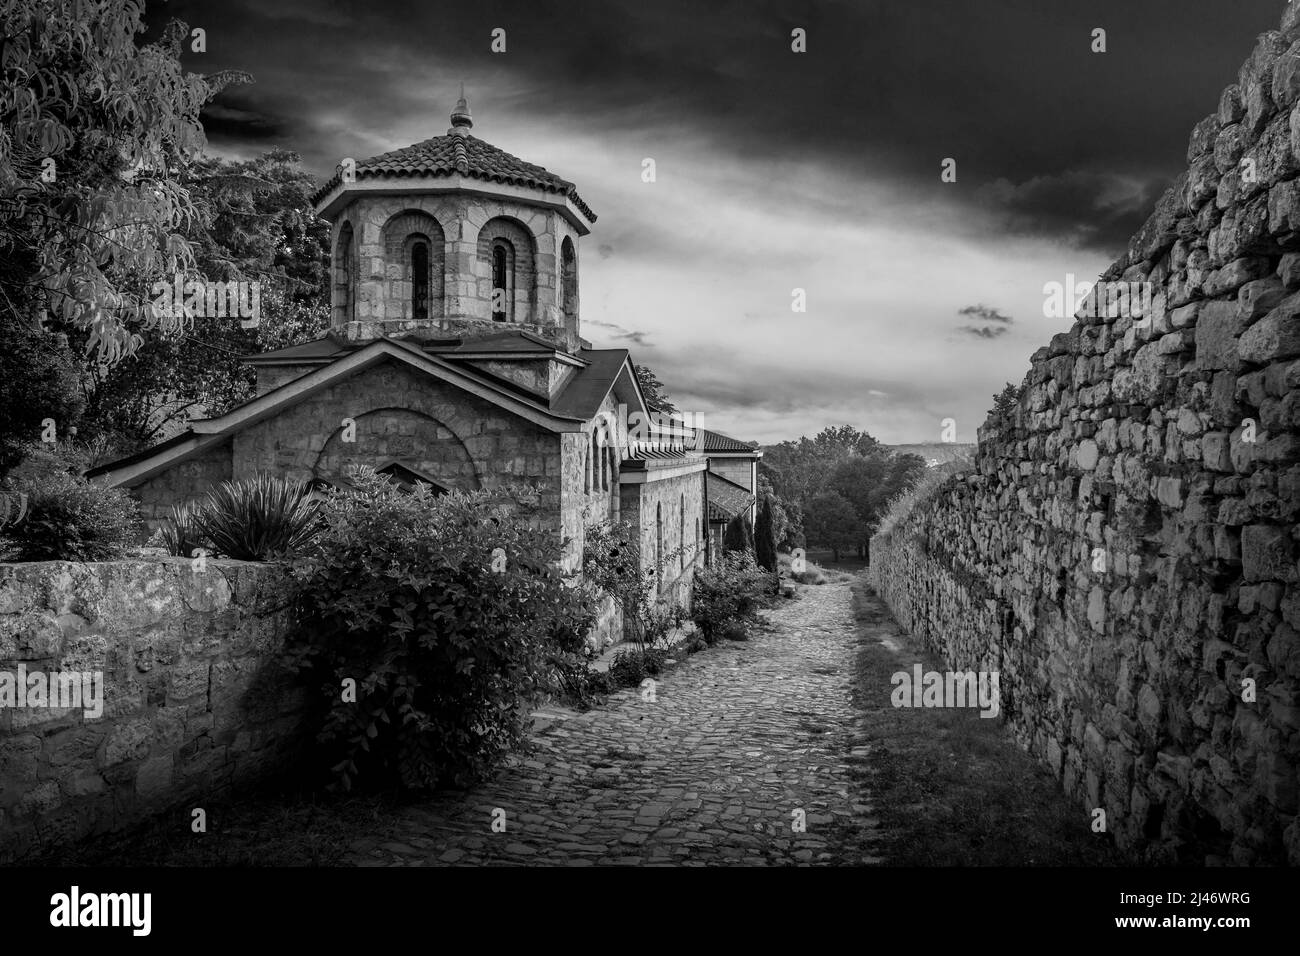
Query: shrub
x=611 y=564
x=739 y=536
x=180 y=532
x=630 y=667
x=727 y=592
x=813 y=575
x=765 y=538
x=69 y=519
x=259 y=518
x=451 y=618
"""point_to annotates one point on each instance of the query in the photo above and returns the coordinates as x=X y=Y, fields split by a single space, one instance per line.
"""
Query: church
x=455 y=358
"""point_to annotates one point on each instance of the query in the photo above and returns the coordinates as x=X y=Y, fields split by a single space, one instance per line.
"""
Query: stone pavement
x=742 y=742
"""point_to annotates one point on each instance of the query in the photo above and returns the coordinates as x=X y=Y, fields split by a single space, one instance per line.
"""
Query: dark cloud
x=984 y=331
x=1067 y=143
x=986 y=314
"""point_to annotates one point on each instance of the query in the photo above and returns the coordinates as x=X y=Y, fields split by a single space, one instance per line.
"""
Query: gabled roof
x=726 y=498
x=464 y=155
x=718 y=442
x=598 y=372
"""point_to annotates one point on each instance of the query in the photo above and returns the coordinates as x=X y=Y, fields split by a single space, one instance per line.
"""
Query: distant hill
x=937 y=453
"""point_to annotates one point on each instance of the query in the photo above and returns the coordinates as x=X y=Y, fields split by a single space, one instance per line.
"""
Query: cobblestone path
x=742 y=743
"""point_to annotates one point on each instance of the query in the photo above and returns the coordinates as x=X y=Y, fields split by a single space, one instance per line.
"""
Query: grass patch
x=952 y=788
x=267 y=828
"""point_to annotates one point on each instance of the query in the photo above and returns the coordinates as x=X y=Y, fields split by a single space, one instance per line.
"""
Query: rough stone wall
x=680 y=502
x=189 y=481
x=193 y=702
x=1124 y=551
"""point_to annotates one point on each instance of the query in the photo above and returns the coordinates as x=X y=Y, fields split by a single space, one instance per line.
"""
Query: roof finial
x=460 y=116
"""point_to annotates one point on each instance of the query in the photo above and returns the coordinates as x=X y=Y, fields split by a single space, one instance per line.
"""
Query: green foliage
x=611 y=564
x=259 y=518
x=180 y=532
x=254 y=222
x=113 y=121
x=832 y=522
x=399 y=594
x=765 y=538
x=787 y=516
x=1005 y=401
x=799 y=470
x=656 y=395
x=739 y=536
x=38 y=380
x=630 y=667
x=868 y=483
x=920 y=491
x=726 y=593
x=69 y=519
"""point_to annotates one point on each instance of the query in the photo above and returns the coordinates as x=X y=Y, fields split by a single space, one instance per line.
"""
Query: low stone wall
x=193 y=698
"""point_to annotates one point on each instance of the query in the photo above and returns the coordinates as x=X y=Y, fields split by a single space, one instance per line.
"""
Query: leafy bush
x=729 y=592
x=630 y=667
x=258 y=518
x=180 y=532
x=739 y=536
x=451 y=618
x=611 y=564
x=813 y=575
x=69 y=519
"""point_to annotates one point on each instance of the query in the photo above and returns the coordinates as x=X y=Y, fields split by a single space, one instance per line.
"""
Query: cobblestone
x=739 y=737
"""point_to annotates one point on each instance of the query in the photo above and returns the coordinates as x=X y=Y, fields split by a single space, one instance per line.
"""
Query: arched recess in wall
x=659 y=546
x=681 y=534
x=569 y=282
x=343 y=296
x=428 y=448
x=507 y=269
x=415 y=255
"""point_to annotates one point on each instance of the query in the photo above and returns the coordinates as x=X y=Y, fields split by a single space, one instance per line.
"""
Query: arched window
x=502 y=284
x=597 y=477
x=681 y=534
x=344 y=298
x=568 y=281
x=586 y=470
x=420 y=280
x=659 y=546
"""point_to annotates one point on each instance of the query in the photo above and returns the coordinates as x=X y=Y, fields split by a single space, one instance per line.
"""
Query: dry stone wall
x=1124 y=551
x=193 y=700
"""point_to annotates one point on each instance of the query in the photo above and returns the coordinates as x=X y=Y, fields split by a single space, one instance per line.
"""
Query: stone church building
x=455 y=357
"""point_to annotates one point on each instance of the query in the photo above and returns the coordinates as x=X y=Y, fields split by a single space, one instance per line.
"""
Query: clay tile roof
x=716 y=441
x=726 y=498
x=457 y=153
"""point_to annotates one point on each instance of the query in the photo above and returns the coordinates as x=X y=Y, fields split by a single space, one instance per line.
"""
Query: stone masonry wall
x=193 y=701
x=1124 y=551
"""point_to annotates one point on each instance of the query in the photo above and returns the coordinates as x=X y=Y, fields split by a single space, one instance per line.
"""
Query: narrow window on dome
x=500 y=284
x=420 y=280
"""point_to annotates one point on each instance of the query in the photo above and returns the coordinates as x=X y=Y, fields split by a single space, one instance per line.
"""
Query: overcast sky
x=778 y=170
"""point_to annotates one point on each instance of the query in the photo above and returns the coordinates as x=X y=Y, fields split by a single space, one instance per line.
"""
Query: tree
x=787 y=518
x=38 y=381
x=830 y=521
x=1004 y=401
x=869 y=483
x=799 y=470
x=255 y=222
x=95 y=131
x=739 y=536
x=656 y=395
x=765 y=542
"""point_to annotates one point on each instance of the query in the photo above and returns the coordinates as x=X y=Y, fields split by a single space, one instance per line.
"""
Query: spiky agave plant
x=180 y=530
x=259 y=518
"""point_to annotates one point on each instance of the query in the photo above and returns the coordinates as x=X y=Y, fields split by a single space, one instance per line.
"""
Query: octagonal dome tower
x=453 y=237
